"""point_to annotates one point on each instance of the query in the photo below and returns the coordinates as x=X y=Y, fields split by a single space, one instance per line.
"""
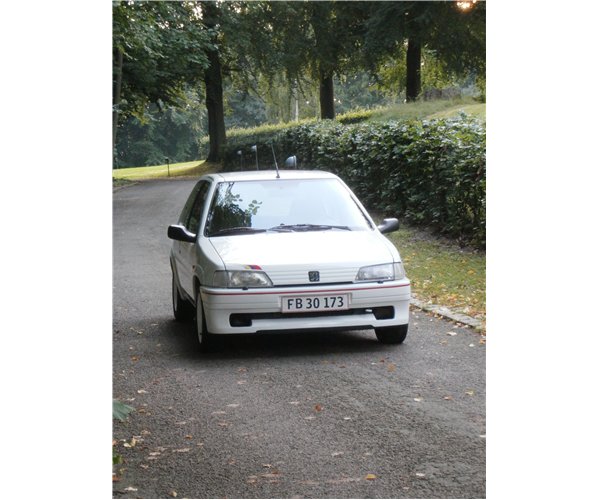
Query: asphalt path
x=328 y=415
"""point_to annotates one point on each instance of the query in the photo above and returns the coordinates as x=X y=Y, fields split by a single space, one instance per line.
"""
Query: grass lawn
x=476 y=110
x=430 y=109
x=190 y=168
x=441 y=272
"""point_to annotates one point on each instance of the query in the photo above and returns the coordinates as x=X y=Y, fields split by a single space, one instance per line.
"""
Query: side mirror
x=389 y=225
x=180 y=233
x=291 y=162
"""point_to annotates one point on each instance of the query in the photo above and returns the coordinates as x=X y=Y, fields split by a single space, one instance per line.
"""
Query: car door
x=185 y=253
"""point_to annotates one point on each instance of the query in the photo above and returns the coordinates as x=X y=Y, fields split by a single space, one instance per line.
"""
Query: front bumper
x=259 y=310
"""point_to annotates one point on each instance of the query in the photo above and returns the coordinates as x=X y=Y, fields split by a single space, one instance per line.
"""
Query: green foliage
x=121 y=410
x=430 y=172
x=163 y=46
x=170 y=132
x=244 y=138
x=357 y=116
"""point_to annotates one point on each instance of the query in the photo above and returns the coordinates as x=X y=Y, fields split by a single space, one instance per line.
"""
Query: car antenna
x=275 y=160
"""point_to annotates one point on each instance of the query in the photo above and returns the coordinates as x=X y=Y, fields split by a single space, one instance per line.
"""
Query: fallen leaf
x=309 y=483
x=318 y=407
x=188 y=436
x=370 y=477
x=270 y=474
x=391 y=367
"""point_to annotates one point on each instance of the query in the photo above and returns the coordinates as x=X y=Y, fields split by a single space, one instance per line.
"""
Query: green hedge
x=431 y=173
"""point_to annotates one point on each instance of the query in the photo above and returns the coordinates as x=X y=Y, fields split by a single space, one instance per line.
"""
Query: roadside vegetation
x=190 y=168
x=442 y=272
x=426 y=110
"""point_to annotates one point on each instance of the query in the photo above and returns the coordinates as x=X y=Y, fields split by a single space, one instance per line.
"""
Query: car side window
x=192 y=221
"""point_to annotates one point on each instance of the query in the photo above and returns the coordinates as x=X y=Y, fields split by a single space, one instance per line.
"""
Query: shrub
x=432 y=172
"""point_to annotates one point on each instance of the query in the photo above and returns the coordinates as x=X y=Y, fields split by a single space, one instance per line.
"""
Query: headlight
x=381 y=272
x=241 y=279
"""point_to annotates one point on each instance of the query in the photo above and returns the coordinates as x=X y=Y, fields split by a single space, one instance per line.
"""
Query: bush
x=432 y=172
x=357 y=116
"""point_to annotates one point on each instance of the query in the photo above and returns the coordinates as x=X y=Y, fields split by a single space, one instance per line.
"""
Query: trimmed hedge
x=431 y=173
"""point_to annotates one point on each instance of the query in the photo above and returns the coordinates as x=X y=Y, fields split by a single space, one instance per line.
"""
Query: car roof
x=261 y=175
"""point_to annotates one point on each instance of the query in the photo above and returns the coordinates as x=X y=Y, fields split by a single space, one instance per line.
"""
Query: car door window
x=194 y=217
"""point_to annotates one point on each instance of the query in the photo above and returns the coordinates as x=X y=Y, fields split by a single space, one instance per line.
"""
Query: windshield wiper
x=236 y=230
x=307 y=227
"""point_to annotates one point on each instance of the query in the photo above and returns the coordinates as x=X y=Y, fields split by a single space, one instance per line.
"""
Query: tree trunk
x=214 y=107
x=326 y=97
x=214 y=88
x=116 y=100
x=413 y=70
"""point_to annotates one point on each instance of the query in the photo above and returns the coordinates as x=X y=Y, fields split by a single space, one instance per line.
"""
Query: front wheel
x=205 y=339
x=392 y=334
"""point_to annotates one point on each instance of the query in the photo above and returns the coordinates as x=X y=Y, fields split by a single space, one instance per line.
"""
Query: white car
x=285 y=250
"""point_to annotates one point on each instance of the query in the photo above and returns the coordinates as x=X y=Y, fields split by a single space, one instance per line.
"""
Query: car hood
x=287 y=257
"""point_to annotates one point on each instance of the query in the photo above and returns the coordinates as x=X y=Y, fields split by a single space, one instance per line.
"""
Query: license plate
x=309 y=303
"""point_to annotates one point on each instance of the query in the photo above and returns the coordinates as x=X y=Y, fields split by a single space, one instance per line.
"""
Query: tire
x=182 y=309
x=206 y=340
x=392 y=334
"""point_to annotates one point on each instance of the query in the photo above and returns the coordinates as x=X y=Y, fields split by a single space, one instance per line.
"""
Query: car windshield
x=246 y=207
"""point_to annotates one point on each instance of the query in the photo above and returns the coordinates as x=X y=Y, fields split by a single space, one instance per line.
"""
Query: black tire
x=392 y=334
x=182 y=309
x=206 y=340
